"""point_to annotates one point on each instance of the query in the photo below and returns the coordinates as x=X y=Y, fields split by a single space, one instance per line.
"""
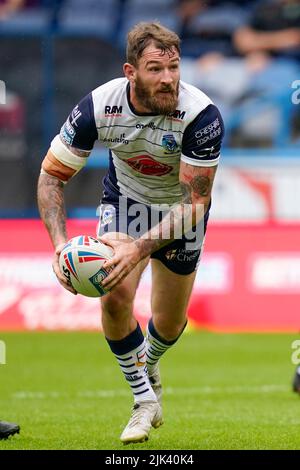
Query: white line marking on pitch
x=22 y=395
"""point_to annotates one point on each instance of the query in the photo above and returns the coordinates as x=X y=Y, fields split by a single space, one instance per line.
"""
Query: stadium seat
x=91 y=17
x=223 y=19
x=148 y=10
x=30 y=21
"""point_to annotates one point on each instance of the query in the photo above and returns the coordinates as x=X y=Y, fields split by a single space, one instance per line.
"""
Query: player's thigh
x=170 y=293
x=122 y=296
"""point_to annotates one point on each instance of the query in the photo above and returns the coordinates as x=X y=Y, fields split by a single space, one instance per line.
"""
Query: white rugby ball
x=81 y=262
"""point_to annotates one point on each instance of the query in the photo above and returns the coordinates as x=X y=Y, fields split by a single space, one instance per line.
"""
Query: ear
x=129 y=71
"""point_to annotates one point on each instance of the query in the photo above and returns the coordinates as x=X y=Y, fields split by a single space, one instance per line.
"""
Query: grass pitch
x=221 y=392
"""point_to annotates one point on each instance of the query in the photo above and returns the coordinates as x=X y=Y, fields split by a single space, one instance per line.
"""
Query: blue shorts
x=124 y=215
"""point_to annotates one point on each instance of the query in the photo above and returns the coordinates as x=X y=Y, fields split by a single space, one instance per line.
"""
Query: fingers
x=66 y=283
x=62 y=279
x=67 y=286
x=108 y=242
x=59 y=249
x=112 y=282
x=121 y=264
x=109 y=263
x=118 y=273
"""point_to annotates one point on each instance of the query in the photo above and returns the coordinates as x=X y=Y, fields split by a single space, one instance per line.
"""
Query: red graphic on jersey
x=148 y=166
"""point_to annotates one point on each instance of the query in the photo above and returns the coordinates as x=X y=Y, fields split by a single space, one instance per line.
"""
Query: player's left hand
x=126 y=257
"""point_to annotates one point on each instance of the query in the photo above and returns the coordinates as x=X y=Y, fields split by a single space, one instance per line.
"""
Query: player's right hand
x=60 y=276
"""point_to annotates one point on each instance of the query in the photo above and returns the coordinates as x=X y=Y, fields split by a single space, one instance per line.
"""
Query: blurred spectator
x=187 y=9
x=252 y=89
x=274 y=29
x=26 y=16
x=207 y=25
x=11 y=9
x=8 y=7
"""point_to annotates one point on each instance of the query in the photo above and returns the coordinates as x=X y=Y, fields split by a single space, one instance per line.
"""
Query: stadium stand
x=51 y=42
x=100 y=18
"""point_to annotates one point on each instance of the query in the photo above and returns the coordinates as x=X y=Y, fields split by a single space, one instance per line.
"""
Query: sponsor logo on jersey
x=107 y=216
x=148 y=166
x=117 y=140
x=171 y=254
x=206 y=153
x=182 y=255
x=75 y=115
x=169 y=143
x=150 y=125
x=113 y=111
x=67 y=132
x=177 y=115
x=209 y=132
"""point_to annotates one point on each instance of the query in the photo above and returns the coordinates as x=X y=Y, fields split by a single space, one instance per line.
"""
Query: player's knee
x=118 y=303
x=170 y=329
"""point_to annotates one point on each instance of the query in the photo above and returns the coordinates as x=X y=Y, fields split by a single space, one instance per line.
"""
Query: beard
x=158 y=103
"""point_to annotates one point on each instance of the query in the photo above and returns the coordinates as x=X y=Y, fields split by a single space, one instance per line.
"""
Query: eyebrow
x=155 y=62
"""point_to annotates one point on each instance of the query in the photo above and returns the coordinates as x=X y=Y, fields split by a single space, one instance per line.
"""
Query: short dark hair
x=142 y=34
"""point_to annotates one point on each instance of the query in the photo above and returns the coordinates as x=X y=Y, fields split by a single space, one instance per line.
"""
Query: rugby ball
x=81 y=261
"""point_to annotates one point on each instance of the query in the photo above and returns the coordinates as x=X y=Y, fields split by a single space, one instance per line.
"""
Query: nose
x=166 y=77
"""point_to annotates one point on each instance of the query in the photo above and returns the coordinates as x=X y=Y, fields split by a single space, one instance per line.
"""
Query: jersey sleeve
x=80 y=129
x=202 y=139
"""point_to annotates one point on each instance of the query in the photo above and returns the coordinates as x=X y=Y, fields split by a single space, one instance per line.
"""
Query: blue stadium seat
x=221 y=19
x=90 y=17
x=148 y=10
x=28 y=21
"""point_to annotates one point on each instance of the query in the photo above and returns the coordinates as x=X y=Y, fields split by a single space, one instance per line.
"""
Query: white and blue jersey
x=145 y=150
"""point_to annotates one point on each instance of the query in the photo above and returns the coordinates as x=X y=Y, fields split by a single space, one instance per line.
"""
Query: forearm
x=181 y=219
x=51 y=205
x=248 y=40
x=196 y=186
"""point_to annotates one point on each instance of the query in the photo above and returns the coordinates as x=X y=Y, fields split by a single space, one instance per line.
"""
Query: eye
x=154 y=69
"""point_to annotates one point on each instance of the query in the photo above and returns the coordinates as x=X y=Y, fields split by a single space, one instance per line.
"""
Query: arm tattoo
x=186 y=193
x=51 y=206
x=196 y=185
x=148 y=244
x=199 y=180
x=201 y=185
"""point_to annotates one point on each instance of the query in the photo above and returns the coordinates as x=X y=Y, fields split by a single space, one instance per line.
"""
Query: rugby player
x=8 y=429
x=164 y=138
x=296 y=380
